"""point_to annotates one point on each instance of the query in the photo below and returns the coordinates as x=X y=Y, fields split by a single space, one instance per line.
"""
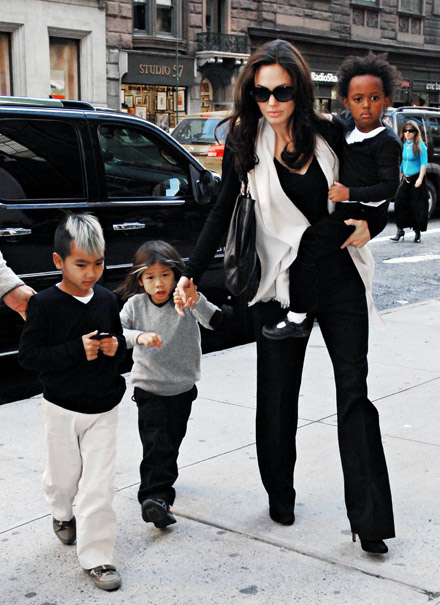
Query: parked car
x=199 y=134
x=428 y=119
x=136 y=179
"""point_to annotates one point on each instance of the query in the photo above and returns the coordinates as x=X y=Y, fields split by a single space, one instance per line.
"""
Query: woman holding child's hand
x=287 y=152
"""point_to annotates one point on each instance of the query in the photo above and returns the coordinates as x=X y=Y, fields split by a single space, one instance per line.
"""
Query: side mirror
x=207 y=185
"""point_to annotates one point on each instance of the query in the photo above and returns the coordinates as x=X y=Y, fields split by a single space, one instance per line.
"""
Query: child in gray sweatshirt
x=166 y=365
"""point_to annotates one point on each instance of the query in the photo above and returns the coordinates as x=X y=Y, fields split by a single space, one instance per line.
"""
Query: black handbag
x=240 y=251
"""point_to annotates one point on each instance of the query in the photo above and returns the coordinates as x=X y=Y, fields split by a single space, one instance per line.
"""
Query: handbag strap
x=245 y=187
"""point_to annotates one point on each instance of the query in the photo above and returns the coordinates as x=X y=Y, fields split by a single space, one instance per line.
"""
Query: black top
x=51 y=343
x=307 y=191
x=219 y=218
x=371 y=168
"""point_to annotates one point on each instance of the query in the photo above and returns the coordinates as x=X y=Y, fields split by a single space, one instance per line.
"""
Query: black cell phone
x=101 y=336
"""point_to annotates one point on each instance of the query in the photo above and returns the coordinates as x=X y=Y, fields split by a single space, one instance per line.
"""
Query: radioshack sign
x=323 y=77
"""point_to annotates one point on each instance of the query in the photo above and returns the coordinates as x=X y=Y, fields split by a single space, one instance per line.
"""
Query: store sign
x=156 y=70
x=324 y=77
x=433 y=86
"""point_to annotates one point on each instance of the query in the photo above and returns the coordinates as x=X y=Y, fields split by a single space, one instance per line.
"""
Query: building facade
x=53 y=48
x=161 y=59
x=170 y=57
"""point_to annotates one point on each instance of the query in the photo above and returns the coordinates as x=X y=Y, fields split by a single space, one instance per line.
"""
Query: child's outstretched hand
x=149 y=339
x=338 y=192
x=190 y=293
x=91 y=346
x=109 y=346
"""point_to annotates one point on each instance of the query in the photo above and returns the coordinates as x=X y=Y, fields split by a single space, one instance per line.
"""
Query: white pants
x=81 y=452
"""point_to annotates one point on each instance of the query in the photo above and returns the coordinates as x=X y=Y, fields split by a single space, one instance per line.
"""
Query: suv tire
x=432 y=200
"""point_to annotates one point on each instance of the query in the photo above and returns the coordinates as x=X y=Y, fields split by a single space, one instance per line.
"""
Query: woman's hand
x=418 y=183
x=191 y=295
x=360 y=236
x=181 y=285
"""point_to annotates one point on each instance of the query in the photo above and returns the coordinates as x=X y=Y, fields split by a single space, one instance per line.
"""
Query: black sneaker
x=65 y=531
x=157 y=512
x=288 y=329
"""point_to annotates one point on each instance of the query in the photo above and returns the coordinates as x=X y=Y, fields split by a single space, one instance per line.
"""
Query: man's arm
x=13 y=291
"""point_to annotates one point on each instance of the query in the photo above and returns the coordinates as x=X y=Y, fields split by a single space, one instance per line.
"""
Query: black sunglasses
x=409 y=130
x=281 y=93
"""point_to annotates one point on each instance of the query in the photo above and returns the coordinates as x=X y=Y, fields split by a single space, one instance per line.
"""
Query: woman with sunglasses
x=285 y=149
x=411 y=204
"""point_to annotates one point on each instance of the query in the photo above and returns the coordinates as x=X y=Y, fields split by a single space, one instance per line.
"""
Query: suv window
x=39 y=159
x=435 y=133
x=138 y=166
x=200 y=130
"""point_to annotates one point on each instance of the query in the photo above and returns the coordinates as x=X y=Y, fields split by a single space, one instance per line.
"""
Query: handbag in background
x=240 y=251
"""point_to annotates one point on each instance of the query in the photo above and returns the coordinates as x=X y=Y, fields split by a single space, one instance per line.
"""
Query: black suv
x=428 y=119
x=137 y=180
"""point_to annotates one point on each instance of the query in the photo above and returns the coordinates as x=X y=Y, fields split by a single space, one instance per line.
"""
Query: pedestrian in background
x=166 y=365
x=411 y=204
x=73 y=338
x=13 y=291
x=287 y=152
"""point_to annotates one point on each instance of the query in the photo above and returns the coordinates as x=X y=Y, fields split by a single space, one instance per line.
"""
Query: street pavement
x=224 y=548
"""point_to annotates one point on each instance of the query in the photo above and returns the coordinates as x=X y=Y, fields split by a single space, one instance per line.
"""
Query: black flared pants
x=343 y=318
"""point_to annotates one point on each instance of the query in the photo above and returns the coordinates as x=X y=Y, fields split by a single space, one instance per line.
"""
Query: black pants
x=319 y=240
x=162 y=426
x=343 y=318
x=411 y=204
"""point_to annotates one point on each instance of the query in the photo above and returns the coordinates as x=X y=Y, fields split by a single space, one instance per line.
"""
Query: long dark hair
x=418 y=136
x=304 y=123
x=150 y=253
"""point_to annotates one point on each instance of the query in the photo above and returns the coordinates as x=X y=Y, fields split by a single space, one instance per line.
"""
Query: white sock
x=296 y=318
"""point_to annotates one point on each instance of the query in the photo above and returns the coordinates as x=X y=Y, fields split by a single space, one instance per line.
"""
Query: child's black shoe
x=157 y=512
x=288 y=329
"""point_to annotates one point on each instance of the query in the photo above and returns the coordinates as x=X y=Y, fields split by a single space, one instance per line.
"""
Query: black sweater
x=51 y=343
x=217 y=221
x=371 y=168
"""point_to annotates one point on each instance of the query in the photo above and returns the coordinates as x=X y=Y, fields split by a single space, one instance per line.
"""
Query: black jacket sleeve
x=217 y=221
x=388 y=157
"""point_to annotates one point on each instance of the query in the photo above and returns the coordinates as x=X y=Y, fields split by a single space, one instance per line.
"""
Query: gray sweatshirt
x=175 y=367
x=8 y=280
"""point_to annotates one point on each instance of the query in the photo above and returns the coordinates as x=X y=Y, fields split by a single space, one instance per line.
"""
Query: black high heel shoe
x=400 y=234
x=417 y=237
x=374 y=547
x=282 y=514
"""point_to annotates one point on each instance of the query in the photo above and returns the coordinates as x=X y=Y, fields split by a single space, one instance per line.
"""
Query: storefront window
x=5 y=65
x=64 y=68
x=156 y=104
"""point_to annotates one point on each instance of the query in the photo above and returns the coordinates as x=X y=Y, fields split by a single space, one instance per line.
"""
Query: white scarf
x=280 y=225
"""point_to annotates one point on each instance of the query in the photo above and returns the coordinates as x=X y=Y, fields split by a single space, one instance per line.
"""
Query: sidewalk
x=224 y=548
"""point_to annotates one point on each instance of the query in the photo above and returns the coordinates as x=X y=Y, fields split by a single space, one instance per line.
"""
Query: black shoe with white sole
x=288 y=329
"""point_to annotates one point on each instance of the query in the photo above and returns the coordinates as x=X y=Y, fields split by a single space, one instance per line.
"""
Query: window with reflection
x=40 y=159
x=5 y=64
x=156 y=17
x=137 y=166
x=64 y=68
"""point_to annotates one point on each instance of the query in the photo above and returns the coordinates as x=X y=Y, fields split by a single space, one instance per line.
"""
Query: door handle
x=14 y=231
x=128 y=226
